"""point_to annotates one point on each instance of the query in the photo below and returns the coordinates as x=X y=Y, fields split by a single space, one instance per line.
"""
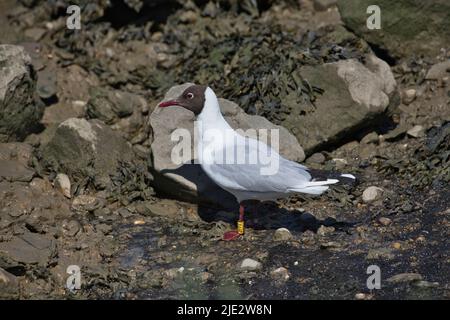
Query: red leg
x=232 y=235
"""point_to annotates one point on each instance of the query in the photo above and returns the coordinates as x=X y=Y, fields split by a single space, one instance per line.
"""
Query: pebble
x=323 y=5
x=317 y=157
x=62 y=182
x=372 y=194
x=340 y=163
x=384 y=221
x=380 y=253
x=409 y=96
x=322 y=231
x=420 y=239
x=282 y=234
x=405 y=277
x=360 y=296
x=250 y=265
x=438 y=70
x=124 y=212
x=416 y=132
x=426 y=284
x=396 y=245
x=85 y=202
x=370 y=138
x=71 y=228
x=280 y=274
x=188 y=17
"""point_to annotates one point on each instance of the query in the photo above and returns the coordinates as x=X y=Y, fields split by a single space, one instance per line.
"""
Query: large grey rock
x=407 y=26
x=188 y=181
x=20 y=112
x=353 y=95
x=86 y=150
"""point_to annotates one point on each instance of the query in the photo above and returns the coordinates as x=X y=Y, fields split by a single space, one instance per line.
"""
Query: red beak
x=169 y=103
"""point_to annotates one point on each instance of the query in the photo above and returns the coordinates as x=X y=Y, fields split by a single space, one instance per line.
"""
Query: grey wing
x=250 y=175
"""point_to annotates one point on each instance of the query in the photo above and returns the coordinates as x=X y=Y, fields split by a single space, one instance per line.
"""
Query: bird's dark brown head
x=193 y=99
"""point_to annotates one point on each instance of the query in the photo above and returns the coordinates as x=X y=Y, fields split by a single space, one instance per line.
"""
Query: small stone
x=322 y=231
x=103 y=228
x=360 y=296
x=426 y=284
x=405 y=277
x=206 y=277
x=35 y=34
x=323 y=5
x=280 y=274
x=124 y=213
x=370 y=138
x=282 y=234
x=384 y=221
x=340 y=163
x=330 y=245
x=421 y=239
x=438 y=71
x=380 y=253
x=85 y=203
x=372 y=194
x=416 y=132
x=188 y=17
x=138 y=222
x=250 y=265
x=9 y=286
x=317 y=157
x=396 y=245
x=409 y=96
x=62 y=182
x=71 y=228
x=211 y=10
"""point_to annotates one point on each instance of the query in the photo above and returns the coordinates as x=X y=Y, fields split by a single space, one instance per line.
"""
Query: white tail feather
x=314 y=187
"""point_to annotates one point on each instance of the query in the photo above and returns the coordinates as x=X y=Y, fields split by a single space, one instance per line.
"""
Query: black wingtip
x=319 y=175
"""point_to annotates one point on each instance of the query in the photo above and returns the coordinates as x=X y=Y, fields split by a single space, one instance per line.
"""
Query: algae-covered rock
x=86 y=150
x=352 y=95
x=123 y=111
x=407 y=26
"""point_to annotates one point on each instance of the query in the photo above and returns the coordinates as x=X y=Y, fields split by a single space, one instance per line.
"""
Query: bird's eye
x=190 y=95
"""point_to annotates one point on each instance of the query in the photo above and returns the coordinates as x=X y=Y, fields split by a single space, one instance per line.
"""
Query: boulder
x=188 y=181
x=20 y=111
x=86 y=150
x=354 y=94
x=407 y=26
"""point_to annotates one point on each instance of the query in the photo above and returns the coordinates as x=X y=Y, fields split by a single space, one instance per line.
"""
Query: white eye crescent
x=190 y=95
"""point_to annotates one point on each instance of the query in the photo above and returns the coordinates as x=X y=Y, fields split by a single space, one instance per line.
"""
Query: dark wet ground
x=185 y=261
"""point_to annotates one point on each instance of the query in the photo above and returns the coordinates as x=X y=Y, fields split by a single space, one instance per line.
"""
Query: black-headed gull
x=244 y=179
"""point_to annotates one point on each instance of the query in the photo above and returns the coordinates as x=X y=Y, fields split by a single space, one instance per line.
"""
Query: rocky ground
x=85 y=171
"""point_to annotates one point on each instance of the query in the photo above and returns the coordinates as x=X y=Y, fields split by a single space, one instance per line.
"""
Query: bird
x=243 y=179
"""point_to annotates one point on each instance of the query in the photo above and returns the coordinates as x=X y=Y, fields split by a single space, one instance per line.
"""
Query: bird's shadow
x=216 y=204
x=268 y=216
